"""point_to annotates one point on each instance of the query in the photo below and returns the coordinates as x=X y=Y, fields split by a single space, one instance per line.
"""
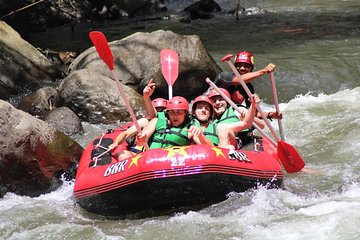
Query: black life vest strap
x=211 y=133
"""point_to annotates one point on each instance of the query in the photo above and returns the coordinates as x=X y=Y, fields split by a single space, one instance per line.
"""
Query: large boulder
x=18 y=21
x=38 y=103
x=28 y=16
x=21 y=65
x=64 y=120
x=114 y=8
x=33 y=154
x=202 y=9
x=137 y=60
x=96 y=98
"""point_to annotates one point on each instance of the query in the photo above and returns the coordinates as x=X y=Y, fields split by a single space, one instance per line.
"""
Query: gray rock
x=137 y=60
x=33 y=154
x=21 y=65
x=39 y=102
x=96 y=98
x=64 y=120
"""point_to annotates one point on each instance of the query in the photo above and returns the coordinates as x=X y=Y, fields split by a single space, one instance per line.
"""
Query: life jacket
x=246 y=135
x=228 y=116
x=161 y=115
x=168 y=136
x=210 y=131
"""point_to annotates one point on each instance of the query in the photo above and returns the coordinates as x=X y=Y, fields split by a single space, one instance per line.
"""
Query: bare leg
x=227 y=137
x=124 y=154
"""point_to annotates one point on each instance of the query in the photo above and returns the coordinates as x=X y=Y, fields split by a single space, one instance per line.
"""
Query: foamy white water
x=256 y=214
x=317 y=78
x=323 y=205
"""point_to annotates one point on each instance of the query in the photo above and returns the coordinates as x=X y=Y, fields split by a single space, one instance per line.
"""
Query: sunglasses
x=245 y=65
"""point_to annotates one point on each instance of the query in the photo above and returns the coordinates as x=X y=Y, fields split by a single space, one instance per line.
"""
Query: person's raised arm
x=229 y=78
x=248 y=120
x=248 y=77
x=147 y=92
x=260 y=123
x=271 y=115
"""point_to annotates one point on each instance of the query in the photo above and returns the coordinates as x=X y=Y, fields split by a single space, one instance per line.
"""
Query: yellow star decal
x=134 y=160
x=177 y=150
x=218 y=152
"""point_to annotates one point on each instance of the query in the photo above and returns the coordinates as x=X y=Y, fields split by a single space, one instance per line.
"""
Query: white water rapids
x=317 y=55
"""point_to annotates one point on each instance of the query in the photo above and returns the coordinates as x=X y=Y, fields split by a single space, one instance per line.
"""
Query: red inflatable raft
x=160 y=181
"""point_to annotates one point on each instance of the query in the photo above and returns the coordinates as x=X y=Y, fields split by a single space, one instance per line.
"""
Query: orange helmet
x=159 y=102
x=214 y=93
x=202 y=98
x=177 y=103
x=245 y=57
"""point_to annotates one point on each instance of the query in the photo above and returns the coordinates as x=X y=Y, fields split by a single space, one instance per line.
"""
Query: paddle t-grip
x=227 y=57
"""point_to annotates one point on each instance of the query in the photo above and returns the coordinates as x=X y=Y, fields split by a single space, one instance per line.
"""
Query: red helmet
x=159 y=102
x=214 y=93
x=177 y=103
x=245 y=57
x=202 y=98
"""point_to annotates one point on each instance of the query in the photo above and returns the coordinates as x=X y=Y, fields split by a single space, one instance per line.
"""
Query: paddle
x=276 y=104
x=290 y=158
x=169 y=67
x=104 y=51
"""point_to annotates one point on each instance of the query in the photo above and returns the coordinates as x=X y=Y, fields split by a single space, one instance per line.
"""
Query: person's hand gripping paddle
x=289 y=157
x=104 y=51
x=169 y=67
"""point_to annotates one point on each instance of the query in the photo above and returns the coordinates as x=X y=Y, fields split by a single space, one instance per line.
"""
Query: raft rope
x=99 y=143
x=105 y=148
x=96 y=159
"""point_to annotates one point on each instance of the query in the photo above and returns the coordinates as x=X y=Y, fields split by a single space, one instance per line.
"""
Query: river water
x=316 y=47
